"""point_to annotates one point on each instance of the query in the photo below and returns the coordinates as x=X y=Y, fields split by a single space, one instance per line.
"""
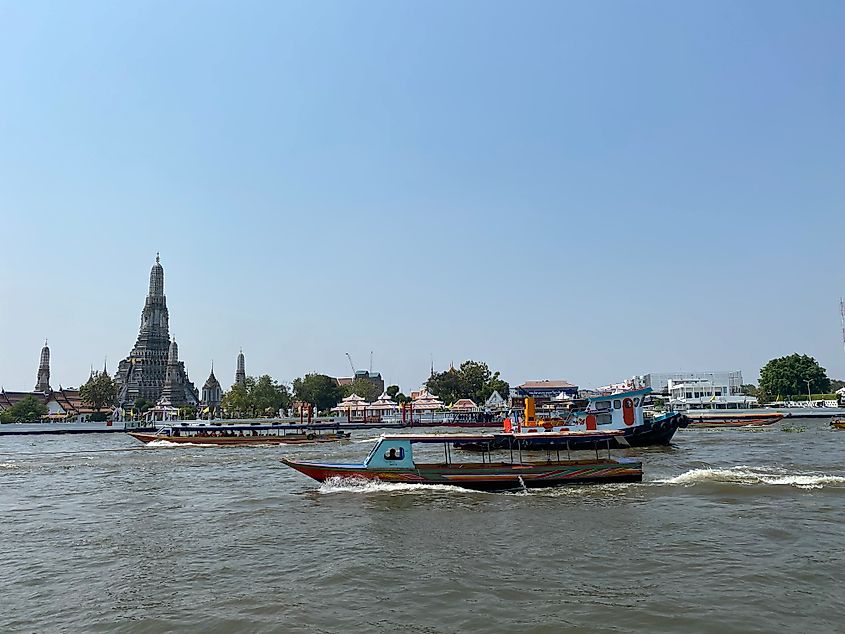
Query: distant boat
x=700 y=420
x=239 y=435
x=392 y=460
x=838 y=423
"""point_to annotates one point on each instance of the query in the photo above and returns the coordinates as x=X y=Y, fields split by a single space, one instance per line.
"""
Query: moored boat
x=611 y=420
x=239 y=435
x=838 y=423
x=392 y=459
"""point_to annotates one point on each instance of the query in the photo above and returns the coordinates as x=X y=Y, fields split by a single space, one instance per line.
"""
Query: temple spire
x=157 y=279
x=43 y=381
x=240 y=373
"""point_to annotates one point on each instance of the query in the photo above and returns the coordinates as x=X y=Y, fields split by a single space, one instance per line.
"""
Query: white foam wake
x=363 y=485
x=158 y=444
x=754 y=475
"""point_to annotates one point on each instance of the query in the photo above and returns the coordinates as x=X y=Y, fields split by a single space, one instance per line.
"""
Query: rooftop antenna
x=351 y=365
x=371 y=361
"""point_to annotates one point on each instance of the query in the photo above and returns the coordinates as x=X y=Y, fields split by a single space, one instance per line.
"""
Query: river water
x=732 y=531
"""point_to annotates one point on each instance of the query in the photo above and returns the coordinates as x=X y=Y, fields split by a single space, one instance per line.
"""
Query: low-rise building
x=543 y=392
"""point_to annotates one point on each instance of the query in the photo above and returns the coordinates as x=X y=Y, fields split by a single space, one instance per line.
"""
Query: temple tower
x=144 y=372
x=42 y=384
x=177 y=389
x=240 y=373
x=212 y=395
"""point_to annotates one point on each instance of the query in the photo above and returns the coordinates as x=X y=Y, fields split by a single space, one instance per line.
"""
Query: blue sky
x=579 y=190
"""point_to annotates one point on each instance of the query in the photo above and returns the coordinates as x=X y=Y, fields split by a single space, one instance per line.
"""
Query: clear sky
x=579 y=190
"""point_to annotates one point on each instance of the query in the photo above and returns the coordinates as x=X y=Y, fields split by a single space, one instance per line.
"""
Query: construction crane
x=842 y=313
x=351 y=365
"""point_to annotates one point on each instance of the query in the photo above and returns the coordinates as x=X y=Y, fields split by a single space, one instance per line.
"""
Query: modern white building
x=706 y=394
x=659 y=381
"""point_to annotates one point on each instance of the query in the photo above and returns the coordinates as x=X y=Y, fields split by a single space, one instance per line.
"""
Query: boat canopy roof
x=631 y=393
x=256 y=427
x=435 y=438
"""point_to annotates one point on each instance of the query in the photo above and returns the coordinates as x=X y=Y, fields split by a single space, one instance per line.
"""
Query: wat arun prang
x=152 y=371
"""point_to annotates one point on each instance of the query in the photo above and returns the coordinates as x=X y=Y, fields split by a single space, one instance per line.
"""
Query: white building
x=659 y=381
x=706 y=394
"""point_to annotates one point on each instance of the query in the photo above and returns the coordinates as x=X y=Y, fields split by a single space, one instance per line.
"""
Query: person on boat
x=391 y=455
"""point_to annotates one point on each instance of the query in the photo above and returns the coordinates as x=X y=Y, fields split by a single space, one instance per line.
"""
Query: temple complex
x=152 y=370
x=62 y=404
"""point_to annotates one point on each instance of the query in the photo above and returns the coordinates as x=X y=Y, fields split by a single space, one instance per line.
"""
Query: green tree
x=319 y=390
x=269 y=396
x=392 y=391
x=749 y=389
x=27 y=410
x=141 y=405
x=836 y=385
x=472 y=380
x=788 y=376
x=401 y=398
x=446 y=385
x=494 y=384
x=364 y=388
x=99 y=391
x=236 y=400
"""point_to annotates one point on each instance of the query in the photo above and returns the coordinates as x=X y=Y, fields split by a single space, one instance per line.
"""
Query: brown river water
x=731 y=531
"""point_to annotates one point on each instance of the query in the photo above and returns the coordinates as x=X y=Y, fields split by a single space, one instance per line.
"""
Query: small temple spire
x=173 y=352
x=43 y=381
x=240 y=373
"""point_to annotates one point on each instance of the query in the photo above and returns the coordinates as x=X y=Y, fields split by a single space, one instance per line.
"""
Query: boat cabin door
x=628 y=411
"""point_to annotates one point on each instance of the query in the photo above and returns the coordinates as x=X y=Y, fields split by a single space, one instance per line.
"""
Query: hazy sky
x=579 y=190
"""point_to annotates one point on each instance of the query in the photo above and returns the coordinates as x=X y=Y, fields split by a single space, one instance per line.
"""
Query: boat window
x=602 y=405
x=604 y=419
x=636 y=401
x=394 y=454
x=617 y=404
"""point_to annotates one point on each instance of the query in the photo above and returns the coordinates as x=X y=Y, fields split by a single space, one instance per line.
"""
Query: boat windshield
x=376 y=445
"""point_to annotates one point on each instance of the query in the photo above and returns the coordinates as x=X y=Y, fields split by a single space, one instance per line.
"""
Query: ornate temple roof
x=211 y=383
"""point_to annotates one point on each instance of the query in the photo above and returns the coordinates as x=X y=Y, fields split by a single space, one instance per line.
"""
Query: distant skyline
x=580 y=190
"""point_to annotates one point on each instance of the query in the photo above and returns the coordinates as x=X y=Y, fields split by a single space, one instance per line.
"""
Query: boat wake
x=166 y=444
x=743 y=474
x=362 y=485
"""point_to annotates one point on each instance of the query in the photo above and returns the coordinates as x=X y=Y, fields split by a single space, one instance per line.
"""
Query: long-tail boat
x=838 y=423
x=226 y=435
x=699 y=420
x=609 y=420
x=392 y=459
